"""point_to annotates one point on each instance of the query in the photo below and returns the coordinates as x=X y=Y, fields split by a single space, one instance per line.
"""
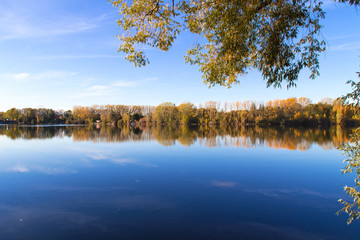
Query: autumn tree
x=278 y=38
x=211 y=108
x=13 y=114
x=187 y=113
x=166 y=113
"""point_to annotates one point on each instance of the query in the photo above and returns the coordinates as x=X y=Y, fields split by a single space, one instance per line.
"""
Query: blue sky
x=57 y=54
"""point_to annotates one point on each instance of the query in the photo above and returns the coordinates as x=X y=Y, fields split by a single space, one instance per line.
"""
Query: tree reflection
x=210 y=136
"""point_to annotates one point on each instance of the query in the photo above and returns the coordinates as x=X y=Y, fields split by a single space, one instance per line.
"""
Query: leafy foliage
x=277 y=37
x=352 y=151
x=353 y=97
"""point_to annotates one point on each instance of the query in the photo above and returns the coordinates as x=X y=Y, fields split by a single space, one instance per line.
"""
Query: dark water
x=172 y=183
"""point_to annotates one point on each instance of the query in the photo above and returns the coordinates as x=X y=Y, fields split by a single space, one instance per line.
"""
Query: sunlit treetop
x=279 y=38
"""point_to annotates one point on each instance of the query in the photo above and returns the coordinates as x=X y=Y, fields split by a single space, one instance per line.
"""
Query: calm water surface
x=172 y=183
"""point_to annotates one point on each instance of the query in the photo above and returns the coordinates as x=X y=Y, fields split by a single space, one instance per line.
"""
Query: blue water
x=57 y=183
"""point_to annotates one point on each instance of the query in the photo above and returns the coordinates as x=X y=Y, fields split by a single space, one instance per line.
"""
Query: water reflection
x=68 y=182
x=249 y=137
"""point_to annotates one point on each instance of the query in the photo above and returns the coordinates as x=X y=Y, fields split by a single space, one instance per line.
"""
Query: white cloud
x=223 y=184
x=97 y=156
x=39 y=168
x=127 y=83
x=123 y=161
x=110 y=88
x=18 y=77
x=47 y=75
x=97 y=88
x=30 y=21
x=346 y=36
x=19 y=168
x=101 y=156
x=123 y=83
x=77 y=56
x=345 y=46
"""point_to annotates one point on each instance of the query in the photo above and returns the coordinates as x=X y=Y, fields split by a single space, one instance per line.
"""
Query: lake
x=78 y=182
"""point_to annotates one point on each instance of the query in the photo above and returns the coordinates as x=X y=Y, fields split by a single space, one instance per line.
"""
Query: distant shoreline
x=287 y=112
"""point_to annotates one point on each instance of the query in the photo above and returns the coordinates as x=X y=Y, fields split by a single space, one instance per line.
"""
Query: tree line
x=34 y=116
x=291 y=111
